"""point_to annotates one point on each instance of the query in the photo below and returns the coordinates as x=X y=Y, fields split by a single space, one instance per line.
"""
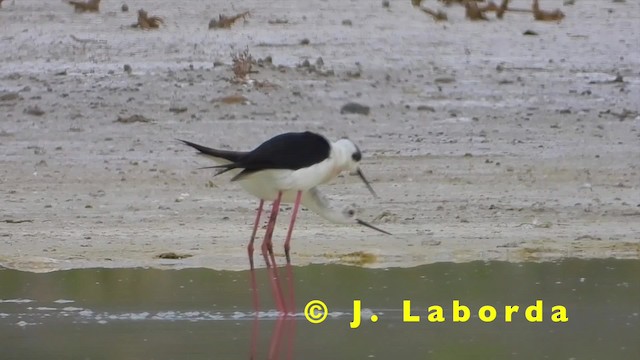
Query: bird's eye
x=351 y=212
x=356 y=156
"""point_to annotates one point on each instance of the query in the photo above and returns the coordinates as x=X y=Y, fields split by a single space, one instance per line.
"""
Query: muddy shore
x=482 y=143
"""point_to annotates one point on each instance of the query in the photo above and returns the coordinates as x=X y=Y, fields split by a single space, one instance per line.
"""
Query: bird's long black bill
x=364 y=179
x=371 y=226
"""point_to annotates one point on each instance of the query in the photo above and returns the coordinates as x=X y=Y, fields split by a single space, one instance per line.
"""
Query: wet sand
x=483 y=143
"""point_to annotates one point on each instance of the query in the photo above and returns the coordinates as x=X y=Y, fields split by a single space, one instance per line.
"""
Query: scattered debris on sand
x=173 y=256
x=178 y=109
x=356 y=258
x=436 y=15
x=86 y=42
x=539 y=15
x=225 y=22
x=34 y=110
x=276 y=21
x=489 y=7
x=132 y=119
x=9 y=96
x=542 y=15
x=502 y=8
x=89 y=6
x=146 y=22
x=232 y=100
x=618 y=79
x=475 y=10
x=242 y=64
x=11 y=221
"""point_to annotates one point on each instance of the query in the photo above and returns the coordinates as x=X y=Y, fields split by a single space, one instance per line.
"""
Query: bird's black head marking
x=356 y=156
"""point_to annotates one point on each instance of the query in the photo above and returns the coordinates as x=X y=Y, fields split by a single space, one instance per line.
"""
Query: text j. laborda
x=316 y=311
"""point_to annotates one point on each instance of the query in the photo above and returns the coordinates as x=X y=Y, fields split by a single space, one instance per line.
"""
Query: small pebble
x=178 y=109
x=355 y=108
x=426 y=108
x=10 y=96
x=34 y=110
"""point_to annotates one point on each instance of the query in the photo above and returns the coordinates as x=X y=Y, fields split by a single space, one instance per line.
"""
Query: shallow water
x=200 y=313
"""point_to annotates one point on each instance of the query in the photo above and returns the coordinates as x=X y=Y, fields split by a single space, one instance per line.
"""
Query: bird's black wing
x=232 y=156
x=291 y=151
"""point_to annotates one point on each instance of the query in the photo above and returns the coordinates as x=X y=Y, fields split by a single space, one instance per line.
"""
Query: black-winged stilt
x=288 y=168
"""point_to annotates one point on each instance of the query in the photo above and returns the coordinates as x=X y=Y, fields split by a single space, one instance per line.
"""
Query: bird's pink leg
x=267 y=252
x=253 y=234
x=296 y=206
x=254 y=287
x=267 y=246
x=276 y=339
x=290 y=282
x=290 y=325
x=254 y=338
x=254 y=290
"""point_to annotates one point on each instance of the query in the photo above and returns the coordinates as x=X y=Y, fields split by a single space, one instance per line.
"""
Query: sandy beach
x=483 y=143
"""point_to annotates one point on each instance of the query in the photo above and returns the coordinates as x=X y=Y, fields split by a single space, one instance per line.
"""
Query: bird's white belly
x=266 y=184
